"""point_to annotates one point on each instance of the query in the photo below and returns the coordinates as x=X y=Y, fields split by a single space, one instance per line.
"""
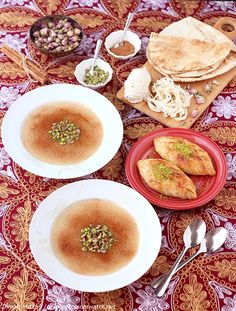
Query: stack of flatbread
x=190 y=50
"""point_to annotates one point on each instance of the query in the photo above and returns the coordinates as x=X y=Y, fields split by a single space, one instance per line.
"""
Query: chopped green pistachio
x=64 y=132
x=99 y=76
x=96 y=239
x=161 y=172
x=183 y=149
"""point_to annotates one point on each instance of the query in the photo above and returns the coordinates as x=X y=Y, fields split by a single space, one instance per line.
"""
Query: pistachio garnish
x=161 y=172
x=64 y=132
x=98 y=76
x=183 y=149
x=96 y=239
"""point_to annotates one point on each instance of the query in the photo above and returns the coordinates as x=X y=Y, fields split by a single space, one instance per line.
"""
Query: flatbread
x=186 y=74
x=192 y=28
x=201 y=72
x=228 y=64
x=179 y=54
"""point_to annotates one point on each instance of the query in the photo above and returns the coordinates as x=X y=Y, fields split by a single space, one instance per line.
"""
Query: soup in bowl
x=62 y=131
x=97 y=235
x=94 y=237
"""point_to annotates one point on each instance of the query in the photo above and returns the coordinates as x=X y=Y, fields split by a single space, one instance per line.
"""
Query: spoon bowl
x=194 y=233
x=212 y=241
x=193 y=236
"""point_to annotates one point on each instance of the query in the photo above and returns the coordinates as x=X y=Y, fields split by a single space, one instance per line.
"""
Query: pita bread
x=188 y=74
x=179 y=54
x=228 y=64
x=201 y=72
x=192 y=28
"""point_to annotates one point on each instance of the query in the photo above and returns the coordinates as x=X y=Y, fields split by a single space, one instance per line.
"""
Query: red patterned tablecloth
x=206 y=284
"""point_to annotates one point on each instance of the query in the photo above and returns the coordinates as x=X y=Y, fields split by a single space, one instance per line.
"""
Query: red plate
x=207 y=186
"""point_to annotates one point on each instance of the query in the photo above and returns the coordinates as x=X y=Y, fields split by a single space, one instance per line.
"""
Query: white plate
x=100 y=105
x=142 y=211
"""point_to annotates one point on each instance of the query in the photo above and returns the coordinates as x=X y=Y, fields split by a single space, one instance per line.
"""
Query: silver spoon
x=97 y=49
x=128 y=21
x=193 y=236
x=213 y=240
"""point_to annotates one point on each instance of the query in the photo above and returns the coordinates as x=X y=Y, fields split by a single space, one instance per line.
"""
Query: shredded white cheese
x=170 y=99
x=137 y=85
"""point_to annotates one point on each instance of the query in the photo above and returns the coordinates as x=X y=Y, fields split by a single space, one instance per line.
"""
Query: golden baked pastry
x=189 y=157
x=166 y=178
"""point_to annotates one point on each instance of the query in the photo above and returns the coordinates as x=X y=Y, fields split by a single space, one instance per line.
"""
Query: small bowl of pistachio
x=101 y=75
x=56 y=34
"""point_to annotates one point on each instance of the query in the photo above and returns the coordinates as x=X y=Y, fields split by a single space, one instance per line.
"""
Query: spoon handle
x=157 y=281
x=164 y=282
x=128 y=21
x=98 y=46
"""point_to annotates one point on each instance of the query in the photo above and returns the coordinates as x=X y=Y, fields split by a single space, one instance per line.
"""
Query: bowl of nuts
x=101 y=75
x=56 y=34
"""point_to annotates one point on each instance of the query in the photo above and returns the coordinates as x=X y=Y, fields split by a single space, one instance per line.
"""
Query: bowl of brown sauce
x=128 y=48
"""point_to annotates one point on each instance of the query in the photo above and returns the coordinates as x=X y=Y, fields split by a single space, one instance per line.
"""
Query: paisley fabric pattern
x=206 y=284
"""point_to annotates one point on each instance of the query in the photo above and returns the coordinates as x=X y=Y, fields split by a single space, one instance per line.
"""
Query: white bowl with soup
x=96 y=235
x=62 y=131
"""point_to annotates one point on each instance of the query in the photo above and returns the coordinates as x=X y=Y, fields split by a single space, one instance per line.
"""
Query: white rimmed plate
x=134 y=203
x=100 y=105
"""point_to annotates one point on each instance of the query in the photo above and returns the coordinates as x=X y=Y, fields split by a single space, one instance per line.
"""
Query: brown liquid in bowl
x=37 y=141
x=66 y=231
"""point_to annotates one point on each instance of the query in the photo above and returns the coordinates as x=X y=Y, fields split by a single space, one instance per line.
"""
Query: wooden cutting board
x=222 y=80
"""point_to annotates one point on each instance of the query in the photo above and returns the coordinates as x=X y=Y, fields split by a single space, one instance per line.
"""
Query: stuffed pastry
x=189 y=157
x=166 y=178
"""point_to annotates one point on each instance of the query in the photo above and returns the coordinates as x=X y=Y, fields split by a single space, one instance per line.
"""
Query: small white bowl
x=116 y=36
x=85 y=64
